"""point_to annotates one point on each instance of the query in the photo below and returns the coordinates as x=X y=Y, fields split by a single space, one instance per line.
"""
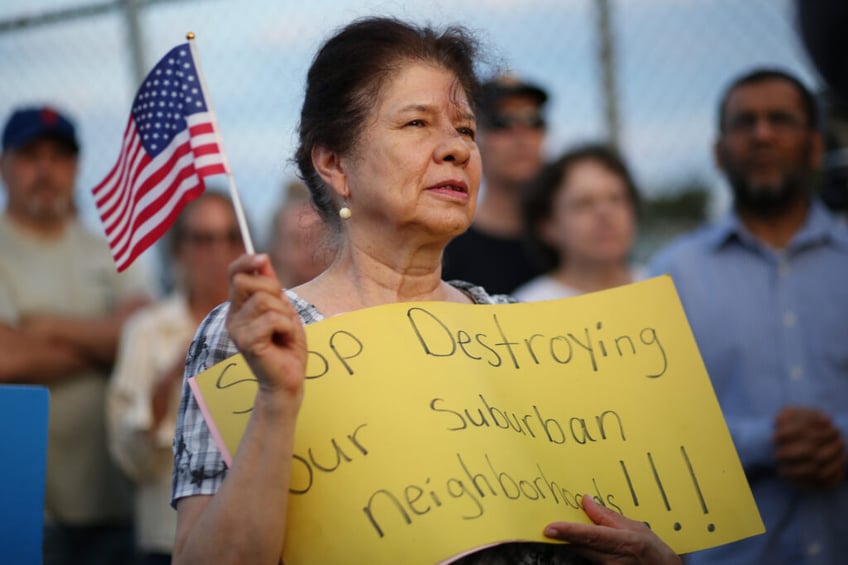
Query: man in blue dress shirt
x=766 y=293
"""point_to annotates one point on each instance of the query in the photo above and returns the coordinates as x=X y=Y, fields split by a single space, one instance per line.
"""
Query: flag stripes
x=141 y=197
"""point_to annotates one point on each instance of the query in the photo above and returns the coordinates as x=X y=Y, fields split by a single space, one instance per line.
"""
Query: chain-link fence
x=667 y=61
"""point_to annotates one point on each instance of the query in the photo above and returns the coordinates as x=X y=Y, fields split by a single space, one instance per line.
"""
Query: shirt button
x=796 y=373
x=789 y=319
x=814 y=549
x=783 y=268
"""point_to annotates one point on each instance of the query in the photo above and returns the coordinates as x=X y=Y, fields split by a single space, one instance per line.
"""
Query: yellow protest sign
x=432 y=428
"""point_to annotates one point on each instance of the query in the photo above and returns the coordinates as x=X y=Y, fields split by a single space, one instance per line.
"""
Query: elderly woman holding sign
x=387 y=149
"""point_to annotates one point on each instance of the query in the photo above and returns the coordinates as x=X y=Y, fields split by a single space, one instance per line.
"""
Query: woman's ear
x=328 y=164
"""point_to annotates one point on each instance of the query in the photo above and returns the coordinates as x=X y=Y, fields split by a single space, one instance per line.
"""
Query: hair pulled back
x=347 y=76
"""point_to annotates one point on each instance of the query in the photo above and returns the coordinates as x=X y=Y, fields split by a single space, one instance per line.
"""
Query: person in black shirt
x=511 y=131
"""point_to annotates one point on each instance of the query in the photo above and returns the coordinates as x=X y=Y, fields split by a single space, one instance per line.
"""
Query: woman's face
x=415 y=168
x=592 y=218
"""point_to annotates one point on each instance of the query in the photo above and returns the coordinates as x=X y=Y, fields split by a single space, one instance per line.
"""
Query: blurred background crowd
x=599 y=125
x=643 y=74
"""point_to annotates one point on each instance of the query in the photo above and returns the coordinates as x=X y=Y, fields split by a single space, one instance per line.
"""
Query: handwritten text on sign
x=432 y=428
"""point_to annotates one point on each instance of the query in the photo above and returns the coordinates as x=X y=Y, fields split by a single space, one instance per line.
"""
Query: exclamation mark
x=630 y=486
x=629 y=483
x=659 y=482
x=677 y=525
x=710 y=527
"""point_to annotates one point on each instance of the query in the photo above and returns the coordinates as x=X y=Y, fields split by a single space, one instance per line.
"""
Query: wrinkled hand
x=612 y=539
x=809 y=449
x=266 y=328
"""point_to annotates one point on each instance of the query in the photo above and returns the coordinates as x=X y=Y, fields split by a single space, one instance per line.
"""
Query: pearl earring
x=344 y=213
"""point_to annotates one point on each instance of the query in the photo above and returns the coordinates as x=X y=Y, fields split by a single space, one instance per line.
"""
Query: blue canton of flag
x=170 y=92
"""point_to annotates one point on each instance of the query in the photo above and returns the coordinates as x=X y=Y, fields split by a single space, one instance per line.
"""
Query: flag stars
x=170 y=93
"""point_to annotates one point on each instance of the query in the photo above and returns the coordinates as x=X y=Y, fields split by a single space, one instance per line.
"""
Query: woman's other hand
x=612 y=539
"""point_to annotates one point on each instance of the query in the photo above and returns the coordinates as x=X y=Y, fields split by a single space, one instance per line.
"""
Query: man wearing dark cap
x=62 y=305
x=511 y=131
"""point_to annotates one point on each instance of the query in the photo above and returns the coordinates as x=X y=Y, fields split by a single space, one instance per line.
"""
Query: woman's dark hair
x=347 y=75
x=538 y=203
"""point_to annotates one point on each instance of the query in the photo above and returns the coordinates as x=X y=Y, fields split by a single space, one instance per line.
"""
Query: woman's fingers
x=264 y=325
x=250 y=274
x=612 y=538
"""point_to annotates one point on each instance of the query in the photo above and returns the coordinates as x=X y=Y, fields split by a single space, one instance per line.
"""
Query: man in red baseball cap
x=62 y=305
x=28 y=124
x=39 y=167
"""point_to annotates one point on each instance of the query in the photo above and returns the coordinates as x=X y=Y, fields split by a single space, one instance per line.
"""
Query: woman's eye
x=468 y=132
x=416 y=123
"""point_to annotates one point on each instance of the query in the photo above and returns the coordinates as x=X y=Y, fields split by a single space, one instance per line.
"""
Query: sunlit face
x=593 y=220
x=416 y=165
x=767 y=148
x=39 y=179
x=512 y=153
x=210 y=242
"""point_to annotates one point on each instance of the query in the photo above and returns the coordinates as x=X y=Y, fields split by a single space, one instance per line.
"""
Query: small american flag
x=170 y=143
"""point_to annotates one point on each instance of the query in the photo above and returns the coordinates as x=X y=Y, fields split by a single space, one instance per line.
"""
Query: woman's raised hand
x=612 y=539
x=266 y=328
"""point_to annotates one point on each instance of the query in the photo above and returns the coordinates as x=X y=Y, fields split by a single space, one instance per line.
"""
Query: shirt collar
x=820 y=228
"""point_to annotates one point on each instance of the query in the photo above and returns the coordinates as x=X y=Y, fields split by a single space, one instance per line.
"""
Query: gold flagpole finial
x=190 y=35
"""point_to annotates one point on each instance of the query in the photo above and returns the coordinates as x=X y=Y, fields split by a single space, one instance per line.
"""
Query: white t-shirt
x=546 y=287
